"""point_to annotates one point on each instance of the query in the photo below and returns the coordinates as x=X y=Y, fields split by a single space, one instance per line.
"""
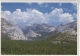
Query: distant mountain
x=38 y=30
x=32 y=34
x=13 y=32
x=64 y=33
x=70 y=28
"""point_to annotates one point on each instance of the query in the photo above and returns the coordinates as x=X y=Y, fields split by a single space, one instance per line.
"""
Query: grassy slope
x=41 y=46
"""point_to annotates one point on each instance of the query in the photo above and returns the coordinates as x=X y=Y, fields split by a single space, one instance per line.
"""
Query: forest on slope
x=58 y=44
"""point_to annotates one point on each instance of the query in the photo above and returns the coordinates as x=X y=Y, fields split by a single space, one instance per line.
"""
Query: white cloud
x=31 y=16
x=60 y=4
x=66 y=9
x=18 y=10
x=57 y=15
x=41 y=4
x=5 y=14
x=66 y=18
x=74 y=15
x=46 y=5
x=74 y=5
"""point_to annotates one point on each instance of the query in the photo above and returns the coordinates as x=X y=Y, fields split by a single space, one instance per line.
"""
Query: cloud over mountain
x=31 y=16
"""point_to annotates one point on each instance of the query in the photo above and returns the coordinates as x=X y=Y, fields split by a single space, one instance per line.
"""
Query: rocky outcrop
x=38 y=30
x=70 y=28
x=31 y=33
x=13 y=32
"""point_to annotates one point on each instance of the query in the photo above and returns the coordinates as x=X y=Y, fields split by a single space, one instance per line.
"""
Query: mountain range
x=36 y=31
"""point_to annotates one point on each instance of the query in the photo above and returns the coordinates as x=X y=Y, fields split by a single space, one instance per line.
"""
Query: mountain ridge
x=36 y=31
x=12 y=31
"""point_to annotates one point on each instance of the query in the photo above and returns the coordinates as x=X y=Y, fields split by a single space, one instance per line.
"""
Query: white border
x=65 y=1
x=38 y=0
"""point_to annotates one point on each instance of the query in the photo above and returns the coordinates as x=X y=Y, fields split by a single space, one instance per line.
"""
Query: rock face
x=12 y=31
x=37 y=30
x=70 y=28
x=44 y=29
x=31 y=33
x=41 y=28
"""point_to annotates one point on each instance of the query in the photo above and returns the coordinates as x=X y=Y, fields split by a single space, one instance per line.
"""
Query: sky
x=49 y=13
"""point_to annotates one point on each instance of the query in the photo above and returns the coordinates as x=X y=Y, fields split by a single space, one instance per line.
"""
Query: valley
x=39 y=28
x=49 y=46
x=39 y=39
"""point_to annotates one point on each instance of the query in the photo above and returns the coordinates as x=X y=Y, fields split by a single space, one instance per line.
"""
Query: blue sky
x=45 y=7
x=30 y=13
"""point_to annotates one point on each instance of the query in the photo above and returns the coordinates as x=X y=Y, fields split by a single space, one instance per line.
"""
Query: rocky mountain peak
x=12 y=31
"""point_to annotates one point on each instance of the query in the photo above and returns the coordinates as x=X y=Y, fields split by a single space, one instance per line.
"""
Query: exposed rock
x=70 y=31
x=32 y=34
x=68 y=28
x=55 y=42
x=38 y=30
x=13 y=32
